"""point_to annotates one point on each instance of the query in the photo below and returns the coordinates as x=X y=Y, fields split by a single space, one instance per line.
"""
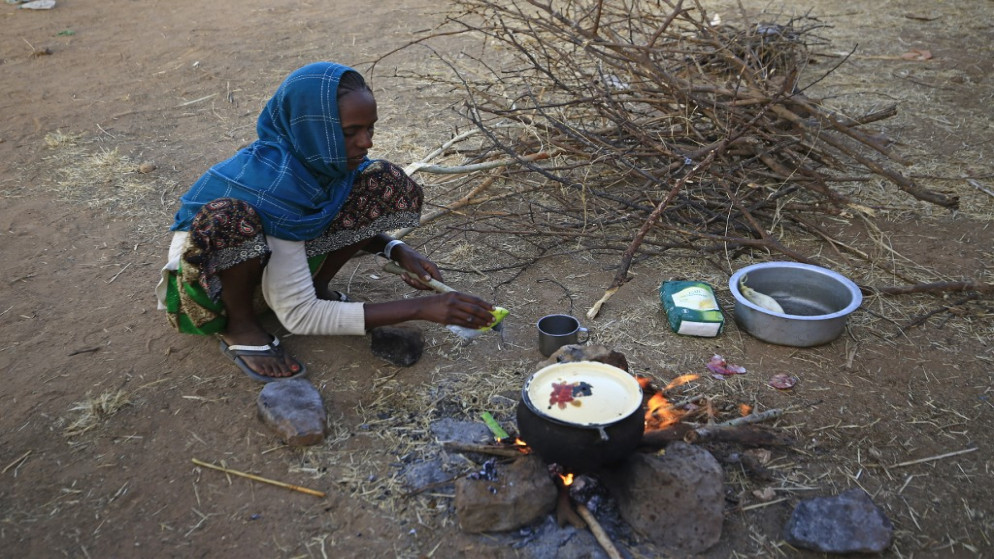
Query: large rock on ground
x=520 y=495
x=676 y=499
x=846 y=523
x=294 y=409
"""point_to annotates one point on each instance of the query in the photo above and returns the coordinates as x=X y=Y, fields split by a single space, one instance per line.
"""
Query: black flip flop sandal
x=272 y=349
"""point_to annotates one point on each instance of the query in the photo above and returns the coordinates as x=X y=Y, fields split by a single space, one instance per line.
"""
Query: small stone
x=519 y=495
x=146 y=167
x=294 y=409
x=846 y=523
x=676 y=500
x=400 y=345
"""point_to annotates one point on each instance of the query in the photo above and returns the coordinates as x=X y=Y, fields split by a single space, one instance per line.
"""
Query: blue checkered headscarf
x=296 y=174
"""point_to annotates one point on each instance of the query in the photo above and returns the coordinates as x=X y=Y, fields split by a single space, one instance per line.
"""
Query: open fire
x=582 y=484
x=660 y=413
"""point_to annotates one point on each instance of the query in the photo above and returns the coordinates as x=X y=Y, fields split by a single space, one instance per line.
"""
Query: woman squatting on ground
x=285 y=214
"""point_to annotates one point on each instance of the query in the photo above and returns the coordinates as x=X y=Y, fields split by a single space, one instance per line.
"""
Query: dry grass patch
x=92 y=412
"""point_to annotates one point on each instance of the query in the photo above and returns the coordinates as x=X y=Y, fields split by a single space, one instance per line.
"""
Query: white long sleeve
x=288 y=288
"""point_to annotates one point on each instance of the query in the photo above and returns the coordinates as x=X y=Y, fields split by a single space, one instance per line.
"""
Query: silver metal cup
x=557 y=330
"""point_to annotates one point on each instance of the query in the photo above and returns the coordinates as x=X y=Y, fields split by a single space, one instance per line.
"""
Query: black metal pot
x=581 y=440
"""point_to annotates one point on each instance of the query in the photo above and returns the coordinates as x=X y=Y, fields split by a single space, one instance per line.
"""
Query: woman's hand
x=455 y=308
x=460 y=309
x=452 y=308
x=417 y=266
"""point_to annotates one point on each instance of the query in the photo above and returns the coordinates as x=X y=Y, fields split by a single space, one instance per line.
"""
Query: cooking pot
x=581 y=415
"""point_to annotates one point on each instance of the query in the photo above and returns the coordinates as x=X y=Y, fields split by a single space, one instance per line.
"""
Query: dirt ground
x=104 y=406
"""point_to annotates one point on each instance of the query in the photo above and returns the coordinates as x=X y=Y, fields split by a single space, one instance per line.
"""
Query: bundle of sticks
x=653 y=117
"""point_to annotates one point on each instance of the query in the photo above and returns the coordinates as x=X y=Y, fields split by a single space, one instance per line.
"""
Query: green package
x=691 y=308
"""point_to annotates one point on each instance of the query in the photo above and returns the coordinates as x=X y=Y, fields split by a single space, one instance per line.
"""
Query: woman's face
x=357 y=110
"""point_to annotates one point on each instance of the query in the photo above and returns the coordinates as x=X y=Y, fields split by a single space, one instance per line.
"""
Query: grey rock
x=675 y=500
x=467 y=432
x=846 y=523
x=400 y=345
x=424 y=474
x=294 y=409
x=521 y=493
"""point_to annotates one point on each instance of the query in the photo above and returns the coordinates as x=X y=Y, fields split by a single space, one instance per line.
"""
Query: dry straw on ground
x=92 y=412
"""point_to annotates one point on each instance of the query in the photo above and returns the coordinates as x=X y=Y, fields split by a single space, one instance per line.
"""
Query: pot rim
x=856 y=296
x=637 y=401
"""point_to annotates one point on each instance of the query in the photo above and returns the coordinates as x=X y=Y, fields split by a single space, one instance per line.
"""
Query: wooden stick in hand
x=433 y=283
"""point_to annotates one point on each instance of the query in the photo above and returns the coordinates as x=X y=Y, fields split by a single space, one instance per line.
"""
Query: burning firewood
x=739 y=430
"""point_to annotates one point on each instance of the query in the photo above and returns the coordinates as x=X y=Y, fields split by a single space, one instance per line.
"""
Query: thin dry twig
x=261 y=479
x=20 y=459
x=934 y=458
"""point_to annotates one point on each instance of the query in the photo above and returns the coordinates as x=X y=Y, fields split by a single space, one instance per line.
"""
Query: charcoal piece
x=400 y=345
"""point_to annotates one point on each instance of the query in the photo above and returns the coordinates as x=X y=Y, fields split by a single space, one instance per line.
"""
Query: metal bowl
x=816 y=303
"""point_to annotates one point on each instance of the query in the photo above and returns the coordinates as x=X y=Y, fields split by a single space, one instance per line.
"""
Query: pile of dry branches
x=662 y=128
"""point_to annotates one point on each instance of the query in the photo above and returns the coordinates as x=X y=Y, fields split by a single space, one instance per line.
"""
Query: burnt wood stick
x=503 y=451
x=741 y=434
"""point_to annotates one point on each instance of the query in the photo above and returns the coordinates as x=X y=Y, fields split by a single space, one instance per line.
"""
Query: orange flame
x=745 y=409
x=682 y=379
x=567 y=479
x=659 y=413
